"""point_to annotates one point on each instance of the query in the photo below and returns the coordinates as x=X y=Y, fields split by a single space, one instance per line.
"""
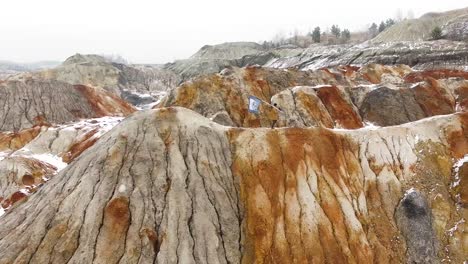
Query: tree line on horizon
x=336 y=35
x=344 y=36
x=330 y=36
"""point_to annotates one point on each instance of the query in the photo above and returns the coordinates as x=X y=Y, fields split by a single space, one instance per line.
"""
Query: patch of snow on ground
x=414 y=85
x=51 y=159
x=321 y=86
x=370 y=126
x=107 y=123
x=142 y=95
x=367 y=126
x=3 y=155
x=316 y=65
x=122 y=188
x=25 y=191
x=48 y=158
x=456 y=169
x=148 y=106
x=458 y=108
x=371 y=87
x=159 y=96
x=104 y=124
x=416 y=139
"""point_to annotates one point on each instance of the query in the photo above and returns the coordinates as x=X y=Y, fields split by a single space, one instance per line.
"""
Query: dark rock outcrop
x=414 y=219
x=388 y=107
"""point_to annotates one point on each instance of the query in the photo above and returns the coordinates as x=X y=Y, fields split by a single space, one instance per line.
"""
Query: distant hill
x=454 y=24
x=9 y=65
x=137 y=84
x=213 y=59
x=8 y=68
x=229 y=50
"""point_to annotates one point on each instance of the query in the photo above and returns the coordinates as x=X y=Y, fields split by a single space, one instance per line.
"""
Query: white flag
x=254 y=103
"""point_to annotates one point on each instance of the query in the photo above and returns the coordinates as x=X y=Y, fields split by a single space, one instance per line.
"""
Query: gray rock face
x=222 y=118
x=414 y=219
x=457 y=29
x=420 y=55
x=388 y=107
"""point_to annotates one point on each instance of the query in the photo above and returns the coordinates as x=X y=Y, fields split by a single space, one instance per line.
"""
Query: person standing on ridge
x=273 y=114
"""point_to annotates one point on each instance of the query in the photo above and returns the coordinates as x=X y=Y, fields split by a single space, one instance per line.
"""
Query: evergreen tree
x=346 y=35
x=436 y=33
x=324 y=37
x=373 y=30
x=335 y=30
x=316 y=35
x=390 y=22
x=382 y=26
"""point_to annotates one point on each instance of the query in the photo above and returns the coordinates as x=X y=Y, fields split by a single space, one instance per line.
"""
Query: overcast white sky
x=154 y=31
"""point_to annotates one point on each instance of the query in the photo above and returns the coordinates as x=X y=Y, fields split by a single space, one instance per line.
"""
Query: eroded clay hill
x=45 y=125
x=421 y=55
x=29 y=102
x=138 y=84
x=170 y=186
x=340 y=97
x=30 y=157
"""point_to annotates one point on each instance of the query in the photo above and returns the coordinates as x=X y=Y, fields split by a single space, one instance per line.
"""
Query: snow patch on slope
x=51 y=159
x=103 y=124
x=456 y=169
x=159 y=97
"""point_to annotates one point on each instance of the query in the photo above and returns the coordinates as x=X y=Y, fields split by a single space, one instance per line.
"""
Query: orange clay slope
x=169 y=184
x=340 y=97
